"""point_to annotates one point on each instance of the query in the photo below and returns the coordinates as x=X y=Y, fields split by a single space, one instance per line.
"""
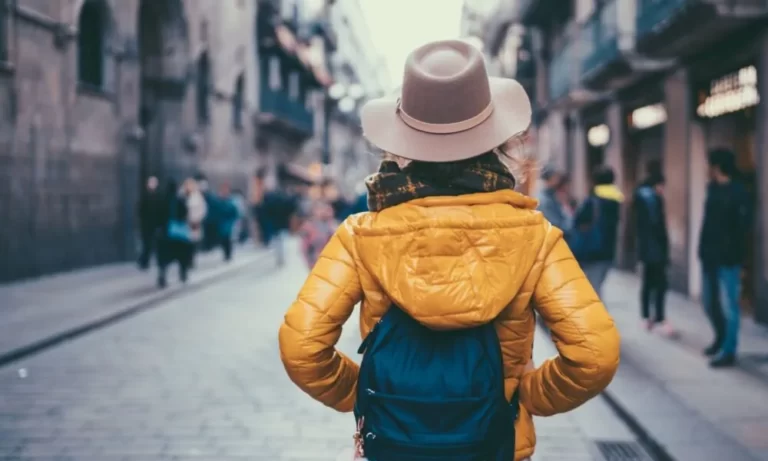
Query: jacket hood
x=452 y=262
x=609 y=192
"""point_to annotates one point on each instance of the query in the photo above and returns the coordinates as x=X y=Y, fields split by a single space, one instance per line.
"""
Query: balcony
x=605 y=61
x=681 y=28
x=565 y=69
x=542 y=13
x=284 y=115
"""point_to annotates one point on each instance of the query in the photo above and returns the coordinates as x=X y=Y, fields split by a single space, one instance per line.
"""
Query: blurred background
x=253 y=104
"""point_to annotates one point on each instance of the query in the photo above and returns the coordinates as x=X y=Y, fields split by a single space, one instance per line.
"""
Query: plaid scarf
x=392 y=186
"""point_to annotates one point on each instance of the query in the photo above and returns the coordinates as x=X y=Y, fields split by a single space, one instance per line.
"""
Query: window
x=293 y=86
x=203 y=86
x=91 y=43
x=238 y=102
x=275 y=76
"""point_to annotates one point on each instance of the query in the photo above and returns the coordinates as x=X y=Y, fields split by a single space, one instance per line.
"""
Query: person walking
x=722 y=249
x=241 y=231
x=186 y=210
x=209 y=235
x=316 y=231
x=151 y=210
x=278 y=210
x=652 y=251
x=597 y=219
x=452 y=266
x=227 y=220
x=549 y=203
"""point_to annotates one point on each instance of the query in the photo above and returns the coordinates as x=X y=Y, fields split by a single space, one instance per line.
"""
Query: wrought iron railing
x=601 y=34
x=291 y=111
x=564 y=69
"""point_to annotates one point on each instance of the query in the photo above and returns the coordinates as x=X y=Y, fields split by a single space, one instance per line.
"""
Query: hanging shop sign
x=599 y=135
x=648 y=116
x=731 y=93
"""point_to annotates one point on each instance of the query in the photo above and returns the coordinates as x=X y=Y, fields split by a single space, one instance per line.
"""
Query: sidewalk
x=54 y=307
x=591 y=432
x=695 y=413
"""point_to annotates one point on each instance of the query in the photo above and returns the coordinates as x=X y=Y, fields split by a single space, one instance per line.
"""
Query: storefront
x=726 y=109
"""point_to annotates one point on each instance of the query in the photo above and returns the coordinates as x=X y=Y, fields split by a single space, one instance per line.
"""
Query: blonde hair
x=515 y=153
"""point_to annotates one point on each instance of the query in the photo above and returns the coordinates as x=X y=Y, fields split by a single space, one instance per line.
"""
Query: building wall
x=70 y=159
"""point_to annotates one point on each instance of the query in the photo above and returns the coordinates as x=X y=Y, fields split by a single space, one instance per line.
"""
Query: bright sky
x=399 y=26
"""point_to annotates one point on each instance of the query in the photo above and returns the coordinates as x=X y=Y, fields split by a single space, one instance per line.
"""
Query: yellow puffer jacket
x=451 y=263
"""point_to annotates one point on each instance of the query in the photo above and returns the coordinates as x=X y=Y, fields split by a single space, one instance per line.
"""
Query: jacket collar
x=511 y=197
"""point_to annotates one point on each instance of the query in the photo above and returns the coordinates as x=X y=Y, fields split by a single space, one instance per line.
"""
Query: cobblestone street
x=200 y=378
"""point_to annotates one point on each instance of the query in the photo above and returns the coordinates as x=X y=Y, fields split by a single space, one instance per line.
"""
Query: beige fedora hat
x=448 y=108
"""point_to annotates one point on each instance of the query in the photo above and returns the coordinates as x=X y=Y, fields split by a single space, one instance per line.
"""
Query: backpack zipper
x=368 y=338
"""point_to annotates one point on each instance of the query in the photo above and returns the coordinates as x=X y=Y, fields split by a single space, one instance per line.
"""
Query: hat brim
x=511 y=115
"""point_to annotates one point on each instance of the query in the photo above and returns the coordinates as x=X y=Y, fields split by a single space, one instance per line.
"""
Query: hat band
x=445 y=128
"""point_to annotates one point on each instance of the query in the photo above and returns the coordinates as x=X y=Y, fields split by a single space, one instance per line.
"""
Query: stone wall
x=70 y=161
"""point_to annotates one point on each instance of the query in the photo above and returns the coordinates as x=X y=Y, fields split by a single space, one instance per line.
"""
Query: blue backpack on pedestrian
x=433 y=395
x=586 y=241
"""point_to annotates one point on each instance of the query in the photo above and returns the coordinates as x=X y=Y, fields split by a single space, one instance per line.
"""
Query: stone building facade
x=96 y=95
x=640 y=85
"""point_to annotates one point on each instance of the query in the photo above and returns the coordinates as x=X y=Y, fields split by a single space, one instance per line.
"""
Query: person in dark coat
x=150 y=211
x=171 y=248
x=549 y=203
x=278 y=209
x=213 y=218
x=722 y=249
x=652 y=249
x=602 y=208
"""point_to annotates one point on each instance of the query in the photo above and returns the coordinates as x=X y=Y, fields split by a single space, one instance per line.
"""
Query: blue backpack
x=586 y=241
x=433 y=395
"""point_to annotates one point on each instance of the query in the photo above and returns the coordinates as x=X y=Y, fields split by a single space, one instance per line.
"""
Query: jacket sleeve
x=583 y=332
x=313 y=324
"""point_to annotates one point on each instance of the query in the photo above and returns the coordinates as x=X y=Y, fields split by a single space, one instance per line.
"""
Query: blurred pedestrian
x=256 y=202
x=316 y=231
x=332 y=196
x=197 y=207
x=451 y=265
x=186 y=210
x=210 y=234
x=722 y=249
x=564 y=196
x=242 y=225
x=549 y=204
x=226 y=220
x=596 y=224
x=652 y=251
x=278 y=211
x=151 y=210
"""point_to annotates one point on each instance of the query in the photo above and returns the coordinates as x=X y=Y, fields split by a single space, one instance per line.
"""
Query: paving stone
x=199 y=379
